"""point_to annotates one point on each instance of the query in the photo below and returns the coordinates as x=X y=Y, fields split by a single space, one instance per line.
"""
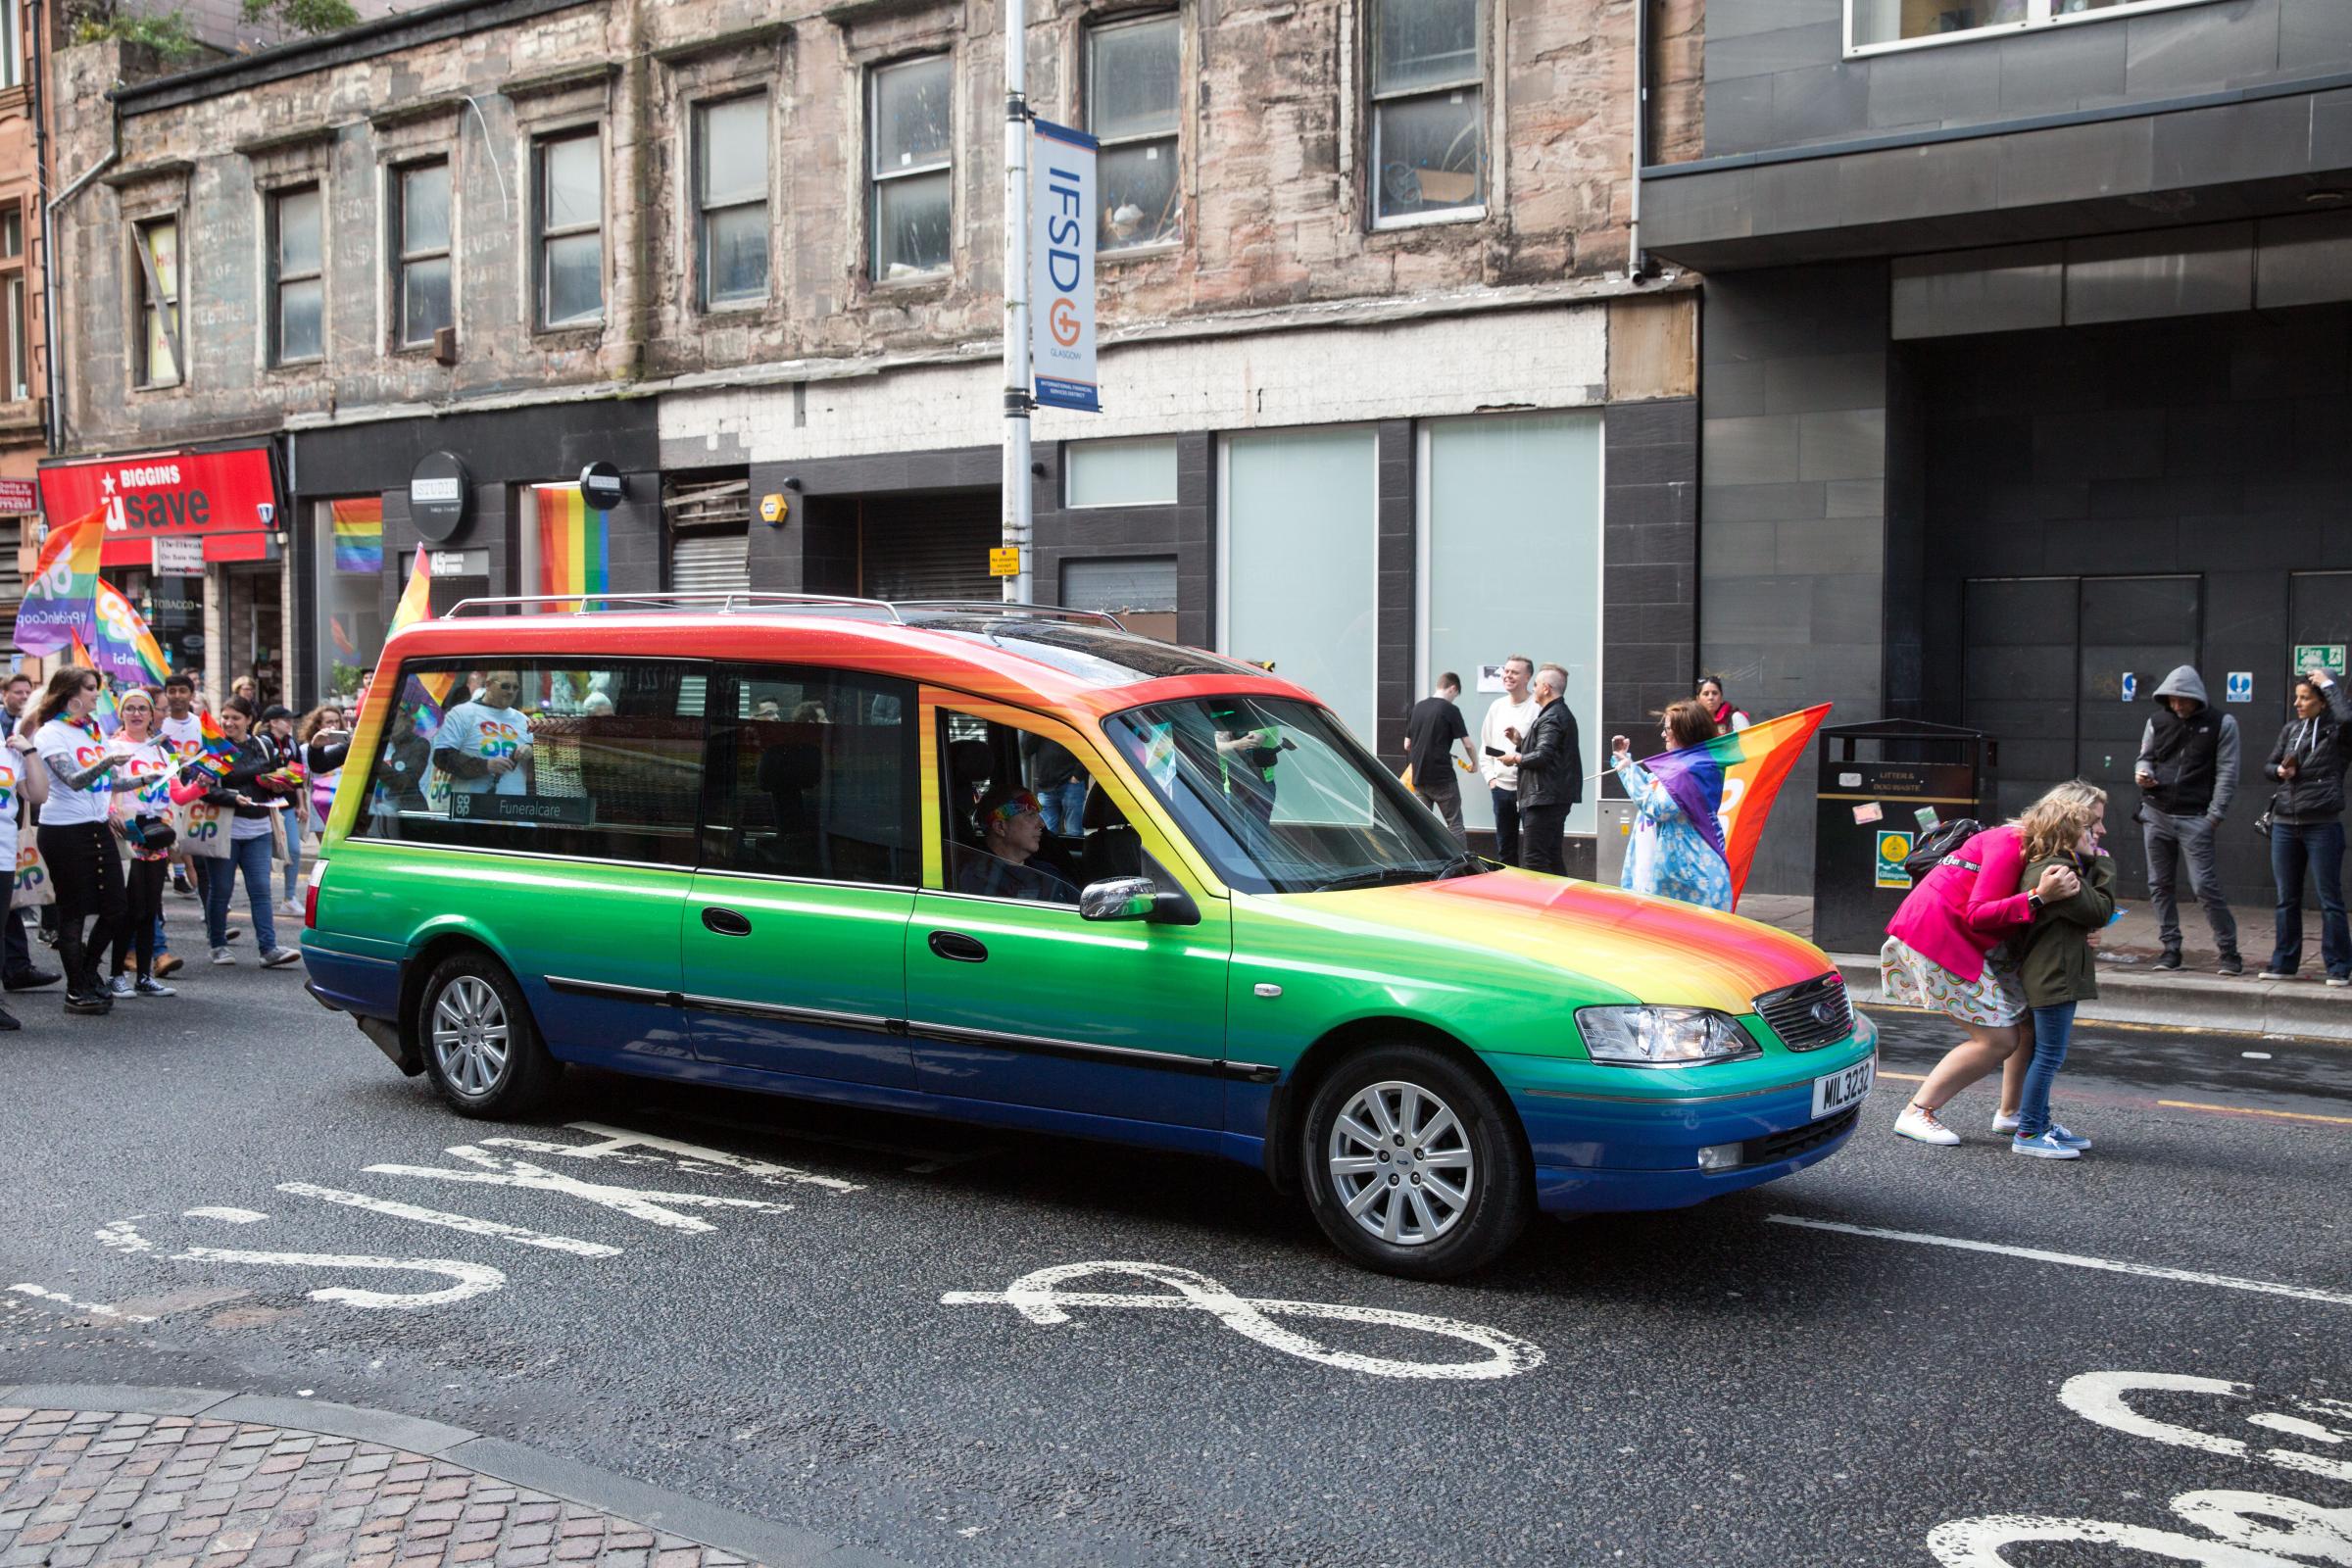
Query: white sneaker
x=279 y=957
x=290 y=908
x=1919 y=1124
x=221 y=957
x=2337 y=982
x=120 y=985
x=2004 y=1121
x=2046 y=1147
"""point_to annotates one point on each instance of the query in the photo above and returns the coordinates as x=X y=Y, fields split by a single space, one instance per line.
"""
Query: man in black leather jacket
x=1551 y=774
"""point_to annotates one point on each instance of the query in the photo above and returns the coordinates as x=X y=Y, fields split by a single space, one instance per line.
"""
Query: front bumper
x=1630 y=1139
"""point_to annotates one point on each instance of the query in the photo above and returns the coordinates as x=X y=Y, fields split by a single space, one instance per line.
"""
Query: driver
x=1011 y=827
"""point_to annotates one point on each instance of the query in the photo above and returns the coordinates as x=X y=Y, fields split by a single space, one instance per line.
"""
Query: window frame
x=15 y=321
x=396 y=235
x=2039 y=17
x=1173 y=137
x=147 y=290
x=876 y=178
x=698 y=178
x=279 y=277
x=1375 y=100
x=543 y=233
x=728 y=679
x=11 y=44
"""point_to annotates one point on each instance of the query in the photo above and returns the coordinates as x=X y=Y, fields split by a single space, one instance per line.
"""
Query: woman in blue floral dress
x=1673 y=855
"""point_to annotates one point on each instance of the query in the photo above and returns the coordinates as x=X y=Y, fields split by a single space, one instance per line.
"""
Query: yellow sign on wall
x=1004 y=562
x=1893 y=849
x=771 y=508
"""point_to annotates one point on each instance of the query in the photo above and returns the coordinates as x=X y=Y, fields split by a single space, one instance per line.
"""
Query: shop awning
x=227 y=498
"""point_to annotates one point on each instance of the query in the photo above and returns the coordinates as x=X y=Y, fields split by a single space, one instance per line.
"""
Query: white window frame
x=542 y=234
x=1173 y=137
x=705 y=300
x=273 y=225
x=2040 y=14
x=1374 y=98
x=876 y=175
x=403 y=258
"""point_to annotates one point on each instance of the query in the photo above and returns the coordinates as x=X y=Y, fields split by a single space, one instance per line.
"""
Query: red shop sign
x=171 y=495
x=19 y=496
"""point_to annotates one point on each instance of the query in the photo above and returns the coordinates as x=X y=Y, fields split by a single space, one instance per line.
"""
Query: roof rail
x=1011 y=606
x=725 y=602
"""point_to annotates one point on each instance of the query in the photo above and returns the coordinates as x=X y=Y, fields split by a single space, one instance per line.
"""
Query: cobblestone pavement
x=172 y=1491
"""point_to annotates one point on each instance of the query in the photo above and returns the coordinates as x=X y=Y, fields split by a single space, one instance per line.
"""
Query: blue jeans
x=1065 y=807
x=252 y=856
x=290 y=820
x=2053 y=1026
x=1506 y=825
x=2319 y=849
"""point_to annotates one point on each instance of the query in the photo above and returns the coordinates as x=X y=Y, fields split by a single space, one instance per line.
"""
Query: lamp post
x=1016 y=499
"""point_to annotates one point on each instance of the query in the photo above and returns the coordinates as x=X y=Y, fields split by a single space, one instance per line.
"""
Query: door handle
x=726 y=922
x=955 y=946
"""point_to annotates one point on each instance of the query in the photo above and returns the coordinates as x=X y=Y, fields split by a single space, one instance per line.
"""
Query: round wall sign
x=440 y=495
x=599 y=486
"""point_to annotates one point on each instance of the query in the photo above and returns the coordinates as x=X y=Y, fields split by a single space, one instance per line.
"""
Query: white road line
x=2036 y=1254
x=229 y=1216
x=619 y=1139
x=91 y=1307
x=456 y=1222
x=655 y=1207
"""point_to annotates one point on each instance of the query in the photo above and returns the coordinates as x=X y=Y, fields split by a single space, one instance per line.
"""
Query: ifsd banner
x=1062 y=267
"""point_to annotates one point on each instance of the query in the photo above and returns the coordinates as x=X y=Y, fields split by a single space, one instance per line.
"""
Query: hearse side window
x=601 y=760
x=1058 y=828
x=812 y=775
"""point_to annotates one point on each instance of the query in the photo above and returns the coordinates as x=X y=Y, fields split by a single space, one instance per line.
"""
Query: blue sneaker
x=2072 y=1139
x=2044 y=1147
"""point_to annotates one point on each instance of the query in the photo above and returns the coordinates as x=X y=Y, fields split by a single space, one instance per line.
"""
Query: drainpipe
x=40 y=186
x=57 y=408
x=1637 y=264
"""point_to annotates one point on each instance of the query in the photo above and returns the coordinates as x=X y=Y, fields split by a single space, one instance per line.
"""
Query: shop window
x=1119 y=473
x=603 y=762
x=730 y=156
x=816 y=777
x=1429 y=123
x=911 y=134
x=1140 y=591
x=570 y=214
x=1133 y=92
x=348 y=552
x=1894 y=24
x=424 y=297
x=154 y=248
x=1495 y=489
x=1301 y=529
x=16 y=324
x=297 y=278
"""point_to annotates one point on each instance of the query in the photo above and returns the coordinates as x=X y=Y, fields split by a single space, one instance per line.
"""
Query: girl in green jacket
x=2060 y=969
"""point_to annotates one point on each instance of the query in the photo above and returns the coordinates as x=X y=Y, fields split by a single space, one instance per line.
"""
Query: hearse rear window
x=601 y=760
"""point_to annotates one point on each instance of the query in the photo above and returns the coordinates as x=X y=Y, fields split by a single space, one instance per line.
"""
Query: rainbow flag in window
x=359 y=527
x=575 y=544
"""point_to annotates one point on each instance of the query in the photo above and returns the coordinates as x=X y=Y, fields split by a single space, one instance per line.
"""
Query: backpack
x=1937 y=845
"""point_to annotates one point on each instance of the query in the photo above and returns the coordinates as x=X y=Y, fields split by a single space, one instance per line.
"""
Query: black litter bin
x=1882 y=785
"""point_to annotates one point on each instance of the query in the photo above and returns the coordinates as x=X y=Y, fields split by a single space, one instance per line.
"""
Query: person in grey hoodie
x=2187 y=773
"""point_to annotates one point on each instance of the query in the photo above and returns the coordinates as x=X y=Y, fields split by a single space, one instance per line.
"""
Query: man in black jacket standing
x=2307 y=828
x=1551 y=774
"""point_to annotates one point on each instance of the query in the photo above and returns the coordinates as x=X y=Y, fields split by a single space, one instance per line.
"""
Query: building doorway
x=932 y=545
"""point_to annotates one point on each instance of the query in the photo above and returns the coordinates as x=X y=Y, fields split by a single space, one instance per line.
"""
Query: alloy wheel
x=470 y=1036
x=1401 y=1163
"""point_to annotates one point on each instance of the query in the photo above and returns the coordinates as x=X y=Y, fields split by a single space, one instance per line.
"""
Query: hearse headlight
x=1662 y=1036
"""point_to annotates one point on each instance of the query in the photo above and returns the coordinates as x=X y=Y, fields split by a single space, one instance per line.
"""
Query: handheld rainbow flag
x=1727 y=785
x=58 y=596
x=415 y=600
x=124 y=646
x=575 y=544
x=104 y=718
x=215 y=747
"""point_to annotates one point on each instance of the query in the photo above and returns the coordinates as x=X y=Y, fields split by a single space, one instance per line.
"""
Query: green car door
x=1012 y=994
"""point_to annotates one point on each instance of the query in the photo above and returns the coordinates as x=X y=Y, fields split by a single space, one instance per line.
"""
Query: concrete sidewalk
x=2131 y=990
x=191 y=1478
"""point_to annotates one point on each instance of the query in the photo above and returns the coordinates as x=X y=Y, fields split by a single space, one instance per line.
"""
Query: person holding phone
x=2307 y=825
x=1499 y=733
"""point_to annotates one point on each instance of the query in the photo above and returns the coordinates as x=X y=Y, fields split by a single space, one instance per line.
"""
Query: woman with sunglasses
x=142 y=817
x=73 y=836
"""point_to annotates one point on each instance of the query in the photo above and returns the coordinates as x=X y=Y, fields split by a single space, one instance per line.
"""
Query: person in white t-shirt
x=1504 y=728
x=484 y=744
x=12 y=781
x=184 y=733
x=74 y=837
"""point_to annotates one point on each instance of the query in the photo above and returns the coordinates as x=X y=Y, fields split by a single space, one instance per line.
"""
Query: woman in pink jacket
x=1945 y=952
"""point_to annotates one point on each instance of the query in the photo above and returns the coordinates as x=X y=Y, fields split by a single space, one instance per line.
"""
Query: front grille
x=1800 y=1139
x=1817 y=1013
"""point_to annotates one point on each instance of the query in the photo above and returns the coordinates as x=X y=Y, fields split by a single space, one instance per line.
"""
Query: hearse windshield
x=1280 y=796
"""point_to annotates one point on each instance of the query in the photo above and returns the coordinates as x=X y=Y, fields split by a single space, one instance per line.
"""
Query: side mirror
x=1119 y=898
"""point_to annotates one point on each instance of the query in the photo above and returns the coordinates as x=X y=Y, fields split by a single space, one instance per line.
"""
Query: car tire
x=1446 y=1199
x=481 y=1047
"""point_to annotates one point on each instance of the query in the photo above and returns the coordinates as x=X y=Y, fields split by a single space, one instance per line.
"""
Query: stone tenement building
x=1380 y=396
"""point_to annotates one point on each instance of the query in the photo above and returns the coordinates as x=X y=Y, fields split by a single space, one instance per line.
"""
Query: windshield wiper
x=1377 y=877
x=1465 y=865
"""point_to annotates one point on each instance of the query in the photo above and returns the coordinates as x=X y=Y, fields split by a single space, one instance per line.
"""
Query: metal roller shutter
x=710 y=533
x=710 y=563
x=932 y=547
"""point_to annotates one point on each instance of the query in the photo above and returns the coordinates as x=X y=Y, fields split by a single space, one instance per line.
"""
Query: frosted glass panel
x=1514 y=567
x=1301 y=530
x=1122 y=473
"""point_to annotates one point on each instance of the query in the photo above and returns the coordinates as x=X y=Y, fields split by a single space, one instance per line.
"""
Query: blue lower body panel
x=1579 y=1189
x=363 y=987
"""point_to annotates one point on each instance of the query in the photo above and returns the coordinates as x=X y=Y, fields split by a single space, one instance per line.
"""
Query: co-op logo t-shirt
x=73 y=750
x=476 y=729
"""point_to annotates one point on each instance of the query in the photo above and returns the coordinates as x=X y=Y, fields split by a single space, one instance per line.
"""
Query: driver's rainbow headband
x=1013 y=806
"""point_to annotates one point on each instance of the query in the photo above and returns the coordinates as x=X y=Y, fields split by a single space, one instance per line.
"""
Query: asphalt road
x=1716 y=1385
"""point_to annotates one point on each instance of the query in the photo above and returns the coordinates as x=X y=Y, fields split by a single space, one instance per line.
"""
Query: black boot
x=8 y=1021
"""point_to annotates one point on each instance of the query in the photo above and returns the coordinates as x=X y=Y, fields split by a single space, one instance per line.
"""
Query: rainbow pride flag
x=218 y=748
x=415 y=600
x=1727 y=785
x=104 y=718
x=358 y=534
x=57 y=603
x=575 y=544
x=126 y=647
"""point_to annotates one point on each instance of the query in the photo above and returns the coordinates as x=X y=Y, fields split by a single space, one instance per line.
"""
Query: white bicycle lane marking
x=467 y=1279
x=1040 y=1297
x=2241 y=1529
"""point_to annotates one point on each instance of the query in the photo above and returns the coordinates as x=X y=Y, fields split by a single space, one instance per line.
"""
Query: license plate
x=1840 y=1090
